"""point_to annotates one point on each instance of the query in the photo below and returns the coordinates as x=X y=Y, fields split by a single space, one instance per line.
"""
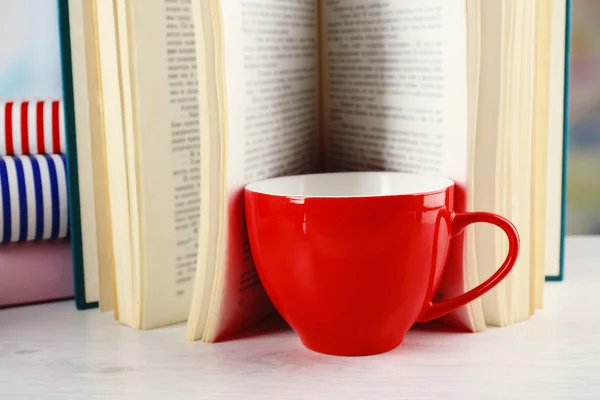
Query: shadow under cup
x=352 y=260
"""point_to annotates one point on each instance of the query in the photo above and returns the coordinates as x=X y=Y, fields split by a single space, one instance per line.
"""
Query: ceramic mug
x=352 y=260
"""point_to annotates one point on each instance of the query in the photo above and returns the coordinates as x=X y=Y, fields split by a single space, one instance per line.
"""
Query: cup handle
x=459 y=222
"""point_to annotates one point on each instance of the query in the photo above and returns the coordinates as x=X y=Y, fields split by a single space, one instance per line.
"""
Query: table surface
x=54 y=352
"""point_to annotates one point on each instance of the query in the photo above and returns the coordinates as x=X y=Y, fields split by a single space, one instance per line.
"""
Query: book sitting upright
x=456 y=88
x=193 y=99
x=134 y=142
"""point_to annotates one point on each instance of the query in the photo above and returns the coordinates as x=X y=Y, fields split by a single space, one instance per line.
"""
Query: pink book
x=33 y=272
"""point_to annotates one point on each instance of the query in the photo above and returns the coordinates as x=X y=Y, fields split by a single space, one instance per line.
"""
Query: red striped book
x=32 y=127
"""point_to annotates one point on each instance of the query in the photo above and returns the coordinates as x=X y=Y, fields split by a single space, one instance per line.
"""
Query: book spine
x=33 y=198
x=75 y=237
x=566 y=127
x=32 y=127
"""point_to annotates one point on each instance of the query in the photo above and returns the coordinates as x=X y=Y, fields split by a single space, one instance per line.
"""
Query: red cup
x=352 y=260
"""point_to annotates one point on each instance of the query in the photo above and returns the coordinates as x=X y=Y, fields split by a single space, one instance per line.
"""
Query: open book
x=469 y=90
x=196 y=98
x=133 y=126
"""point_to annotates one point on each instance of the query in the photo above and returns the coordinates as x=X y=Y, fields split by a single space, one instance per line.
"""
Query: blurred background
x=30 y=67
x=30 y=53
x=583 y=190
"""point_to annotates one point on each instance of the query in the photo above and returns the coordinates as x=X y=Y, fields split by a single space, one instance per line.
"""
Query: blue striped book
x=33 y=198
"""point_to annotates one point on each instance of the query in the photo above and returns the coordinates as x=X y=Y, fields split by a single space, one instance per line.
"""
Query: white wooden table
x=54 y=352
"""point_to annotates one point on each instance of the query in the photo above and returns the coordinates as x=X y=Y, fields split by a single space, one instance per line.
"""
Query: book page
x=488 y=152
x=79 y=20
x=116 y=180
x=271 y=78
x=396 y=92
x=396 y=98
x=540 y=153
x=520 y=185
x=103 y=220
x=212 y=207
x=91 y=157
x=167 y=129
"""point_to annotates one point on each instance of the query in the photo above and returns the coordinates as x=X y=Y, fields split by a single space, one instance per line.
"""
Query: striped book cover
x=33 y=198
x=32 y=127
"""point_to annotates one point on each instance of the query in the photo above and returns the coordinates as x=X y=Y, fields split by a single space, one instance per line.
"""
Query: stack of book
x=35 y=253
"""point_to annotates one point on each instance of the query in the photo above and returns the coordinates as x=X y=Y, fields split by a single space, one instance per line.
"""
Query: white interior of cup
x=351 y=184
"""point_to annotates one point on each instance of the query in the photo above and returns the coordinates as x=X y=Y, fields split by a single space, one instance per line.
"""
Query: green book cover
x=81 y=301
x=564 y=177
